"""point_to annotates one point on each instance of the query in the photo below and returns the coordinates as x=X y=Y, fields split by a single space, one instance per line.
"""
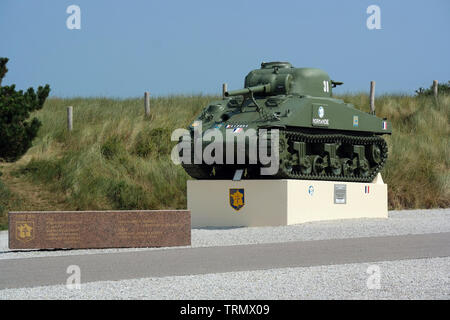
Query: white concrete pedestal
x=226 y=203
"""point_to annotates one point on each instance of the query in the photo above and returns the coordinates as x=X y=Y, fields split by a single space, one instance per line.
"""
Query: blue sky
x=185 y=47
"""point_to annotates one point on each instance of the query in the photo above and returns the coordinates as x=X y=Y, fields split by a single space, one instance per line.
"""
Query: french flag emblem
x=384 y=125
x=366 y=189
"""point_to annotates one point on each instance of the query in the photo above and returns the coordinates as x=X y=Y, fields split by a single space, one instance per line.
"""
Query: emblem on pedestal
x=237 y=198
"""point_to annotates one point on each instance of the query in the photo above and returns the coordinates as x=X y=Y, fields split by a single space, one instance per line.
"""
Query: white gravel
x=406 y=279
x=398 y=223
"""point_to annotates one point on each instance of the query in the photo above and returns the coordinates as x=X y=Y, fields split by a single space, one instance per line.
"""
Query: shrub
x=443 y=88
x=112 y=147
x=17 y=134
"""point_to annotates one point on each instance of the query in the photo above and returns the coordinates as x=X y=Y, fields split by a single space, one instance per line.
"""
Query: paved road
x=31 y=272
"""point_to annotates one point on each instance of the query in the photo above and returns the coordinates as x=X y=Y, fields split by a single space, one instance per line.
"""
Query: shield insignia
x=25 y=231
x=237 y=198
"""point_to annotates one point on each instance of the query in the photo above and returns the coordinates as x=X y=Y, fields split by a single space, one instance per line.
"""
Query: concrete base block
x=227 y=203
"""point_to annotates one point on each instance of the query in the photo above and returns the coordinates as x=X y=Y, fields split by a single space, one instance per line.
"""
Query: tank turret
x=285 y=79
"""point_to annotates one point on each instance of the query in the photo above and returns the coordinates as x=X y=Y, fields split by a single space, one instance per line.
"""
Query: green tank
x=320 y=137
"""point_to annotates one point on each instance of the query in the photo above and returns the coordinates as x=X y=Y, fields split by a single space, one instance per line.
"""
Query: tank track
x=288 y=138
x=197 y=171
x=339 y=139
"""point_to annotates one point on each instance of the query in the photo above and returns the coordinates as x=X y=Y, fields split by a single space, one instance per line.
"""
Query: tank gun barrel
x=248 y=90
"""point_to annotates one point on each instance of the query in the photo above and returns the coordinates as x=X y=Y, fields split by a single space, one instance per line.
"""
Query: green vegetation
x=5 y=196
x=443 y=88
x=116 y=158
x=16 y=133
x=417 y=171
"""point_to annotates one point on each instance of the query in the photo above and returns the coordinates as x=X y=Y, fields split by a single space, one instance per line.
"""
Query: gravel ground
x=406 y=279
x=398 y=223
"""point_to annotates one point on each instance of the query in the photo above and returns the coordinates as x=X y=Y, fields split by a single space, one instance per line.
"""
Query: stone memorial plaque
x=99 y=229
x=340 y=194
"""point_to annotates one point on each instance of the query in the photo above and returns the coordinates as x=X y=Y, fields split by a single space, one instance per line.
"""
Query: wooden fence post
x=372 y=97
x=435 y=88
x=69 y=118
x=224 y=89
x=147 y=103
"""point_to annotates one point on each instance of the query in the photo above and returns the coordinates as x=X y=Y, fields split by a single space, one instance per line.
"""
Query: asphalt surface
x=402 y=279
x=31 y=272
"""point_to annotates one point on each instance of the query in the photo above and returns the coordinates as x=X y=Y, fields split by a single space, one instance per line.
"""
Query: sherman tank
x=319 y=137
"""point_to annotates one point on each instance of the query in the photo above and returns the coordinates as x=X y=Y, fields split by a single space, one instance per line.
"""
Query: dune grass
x=116 y=158
x=5 y=196
x=417 y=170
